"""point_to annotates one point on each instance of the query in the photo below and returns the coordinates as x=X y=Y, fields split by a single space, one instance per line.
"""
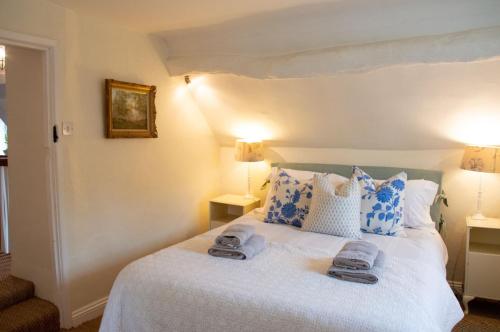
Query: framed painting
x=130 y=110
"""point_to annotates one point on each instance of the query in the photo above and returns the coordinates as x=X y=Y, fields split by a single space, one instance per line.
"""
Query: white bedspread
x=182 y=288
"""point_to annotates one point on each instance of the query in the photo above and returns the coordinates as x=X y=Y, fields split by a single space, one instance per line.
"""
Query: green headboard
x=376 y=172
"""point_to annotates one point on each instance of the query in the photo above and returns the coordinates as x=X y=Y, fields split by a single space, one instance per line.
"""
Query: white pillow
x=420 y=196
x=331 y=213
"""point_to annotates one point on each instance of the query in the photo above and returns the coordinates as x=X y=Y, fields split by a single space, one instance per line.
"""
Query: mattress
x=182 y=288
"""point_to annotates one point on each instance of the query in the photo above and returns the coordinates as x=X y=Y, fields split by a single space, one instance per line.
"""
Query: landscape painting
x=130 y=110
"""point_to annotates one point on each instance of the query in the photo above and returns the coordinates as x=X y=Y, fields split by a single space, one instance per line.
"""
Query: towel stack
x=358 y=261
x=238 y=241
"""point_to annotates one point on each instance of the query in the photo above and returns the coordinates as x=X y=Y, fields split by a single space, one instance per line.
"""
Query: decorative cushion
x=289 y=200
x=334 y=214
x=335 y=179
x=382 y=207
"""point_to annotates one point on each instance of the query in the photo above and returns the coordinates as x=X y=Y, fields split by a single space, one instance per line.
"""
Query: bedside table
x=482 y=260
x=226 y=208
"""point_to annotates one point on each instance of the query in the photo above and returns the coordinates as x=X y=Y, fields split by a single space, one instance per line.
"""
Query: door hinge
x=55 y=136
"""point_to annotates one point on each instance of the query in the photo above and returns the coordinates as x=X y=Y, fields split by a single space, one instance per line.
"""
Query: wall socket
x=67 y=128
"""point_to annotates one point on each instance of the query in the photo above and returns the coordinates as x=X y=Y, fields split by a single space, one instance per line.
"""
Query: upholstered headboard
x=376 y=172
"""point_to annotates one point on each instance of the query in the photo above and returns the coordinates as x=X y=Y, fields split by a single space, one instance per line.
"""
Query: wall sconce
x=2 y=57
x=187 y=79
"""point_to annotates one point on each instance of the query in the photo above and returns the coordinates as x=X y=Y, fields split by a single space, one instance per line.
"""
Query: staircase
x=4 y=265
x=21 y=311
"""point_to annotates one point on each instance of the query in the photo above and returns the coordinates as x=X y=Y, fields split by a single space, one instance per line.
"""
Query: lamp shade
x=481 y=159
x=249 y=151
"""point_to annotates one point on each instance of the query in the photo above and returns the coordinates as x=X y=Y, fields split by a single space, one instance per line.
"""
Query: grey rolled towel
x=235 y=235
x=253 y=246
x=356 y=255
x=361 y=276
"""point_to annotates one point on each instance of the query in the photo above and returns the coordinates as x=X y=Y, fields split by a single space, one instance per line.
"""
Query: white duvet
x=182 y=288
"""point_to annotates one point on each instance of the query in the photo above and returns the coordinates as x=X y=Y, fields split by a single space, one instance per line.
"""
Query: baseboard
x=456 y=286
x=88 y=312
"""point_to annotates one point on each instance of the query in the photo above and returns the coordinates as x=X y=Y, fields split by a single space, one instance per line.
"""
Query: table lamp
x=249 y=151
x=483 y=160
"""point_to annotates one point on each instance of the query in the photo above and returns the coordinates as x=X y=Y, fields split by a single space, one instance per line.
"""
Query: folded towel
x=356 y=255
x=253 y=246
x=235 y=235
x=362 y=276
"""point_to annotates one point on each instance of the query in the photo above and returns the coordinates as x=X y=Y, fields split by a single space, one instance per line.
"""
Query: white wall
x=121 y=198
x=128 y=197
x=425 y=106
x=460 y=185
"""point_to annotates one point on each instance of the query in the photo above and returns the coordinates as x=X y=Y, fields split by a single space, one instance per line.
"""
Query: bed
x=182 y=288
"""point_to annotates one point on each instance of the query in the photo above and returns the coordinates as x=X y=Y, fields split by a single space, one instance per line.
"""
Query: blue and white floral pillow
x=289 y=201
x=382 y=207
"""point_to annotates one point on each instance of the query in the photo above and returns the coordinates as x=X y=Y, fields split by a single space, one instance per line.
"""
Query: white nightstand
x=482 y=260
x=226 y=208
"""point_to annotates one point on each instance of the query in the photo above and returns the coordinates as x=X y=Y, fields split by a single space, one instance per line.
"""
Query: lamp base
x=478 y=216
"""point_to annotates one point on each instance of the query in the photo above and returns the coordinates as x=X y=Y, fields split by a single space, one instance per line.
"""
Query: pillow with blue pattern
x=382 y=206
x=289 y=201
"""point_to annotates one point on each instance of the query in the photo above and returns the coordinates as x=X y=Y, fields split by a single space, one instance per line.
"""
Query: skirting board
x=88 y=312
x=456 y=286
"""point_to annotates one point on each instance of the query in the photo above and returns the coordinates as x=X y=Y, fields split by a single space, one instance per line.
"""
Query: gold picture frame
x=130 y=110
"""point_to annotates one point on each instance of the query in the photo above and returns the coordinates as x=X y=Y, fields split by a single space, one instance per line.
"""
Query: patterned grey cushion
x=332 y=213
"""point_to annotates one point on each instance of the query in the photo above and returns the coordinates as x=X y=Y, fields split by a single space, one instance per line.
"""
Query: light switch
x=67 y=128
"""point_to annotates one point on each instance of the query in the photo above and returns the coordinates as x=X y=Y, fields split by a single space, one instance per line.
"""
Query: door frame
x=53 y=97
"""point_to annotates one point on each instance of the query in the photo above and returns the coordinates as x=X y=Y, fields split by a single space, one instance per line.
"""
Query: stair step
x=14 y=290
x=4 y=265
x=33 y=315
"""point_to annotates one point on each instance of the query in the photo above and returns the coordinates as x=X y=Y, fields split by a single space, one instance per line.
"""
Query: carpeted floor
x=484 y=316
x=5 y=262
x=20 y=310
x=91 y=326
